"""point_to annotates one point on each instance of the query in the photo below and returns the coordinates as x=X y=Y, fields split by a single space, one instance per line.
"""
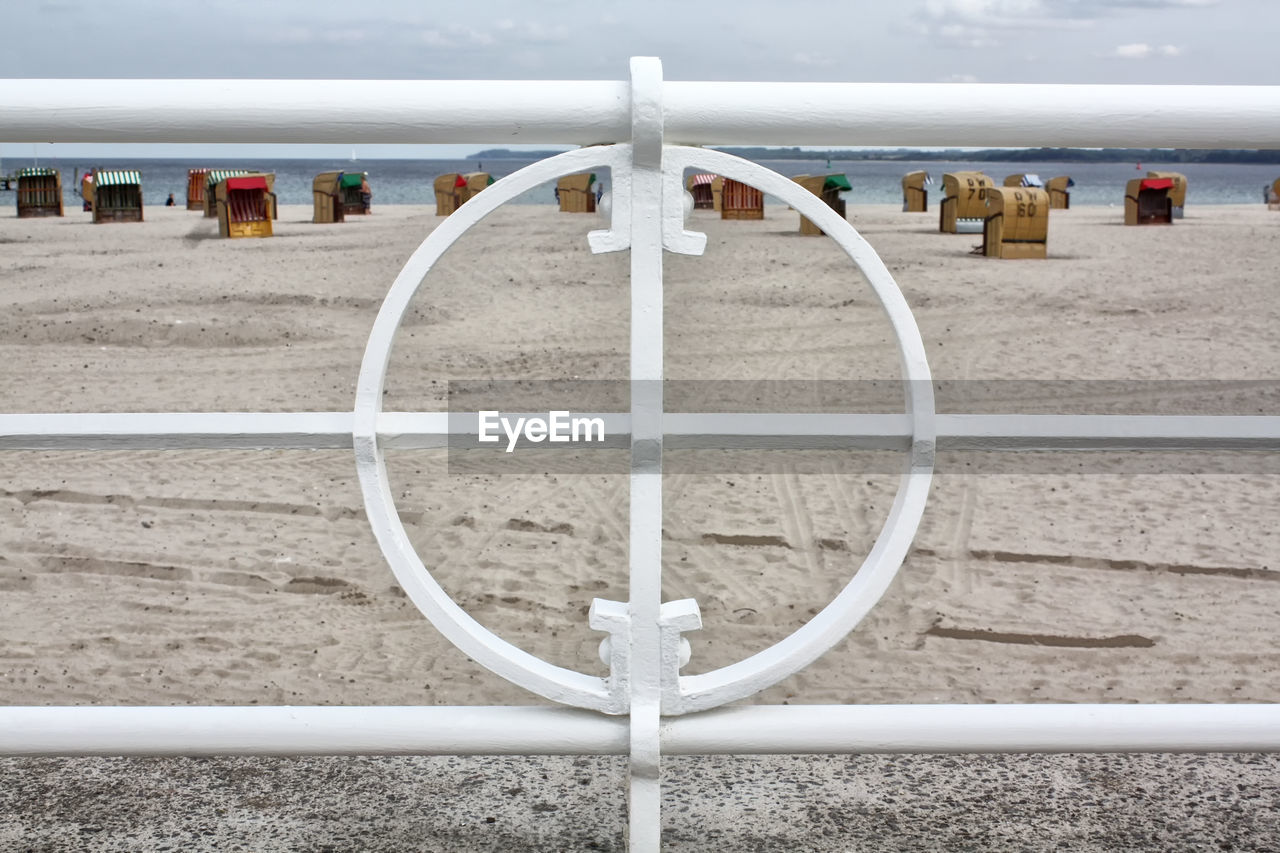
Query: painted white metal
x=178 y=430
x=789 y=729
x=587 y=112
x=644 y=603
x=1111 y=432
x=540 y=730
x=977 y=114
x=636 y=653
x=410 y=111
x=682 y=430
x=309 y=730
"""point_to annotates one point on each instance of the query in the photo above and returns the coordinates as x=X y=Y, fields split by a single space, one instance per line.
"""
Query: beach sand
x=250 y=577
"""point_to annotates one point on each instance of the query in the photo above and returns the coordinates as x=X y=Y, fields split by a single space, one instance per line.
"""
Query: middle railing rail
x=682 y=430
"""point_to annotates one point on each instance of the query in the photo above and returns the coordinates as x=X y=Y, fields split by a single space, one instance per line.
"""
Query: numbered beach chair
x=739 y=201
x=196 y=181
x=1177 y=195
x=211 y=180
x=915 y=198
x=39 y=192
x=1059 y=198
x=476 y=182
x=705 y=189
x=1017 y=222
x=351 y=190
x=451 y=192
x=117 y=195
x=1023 y=179
x=829 y=188
x=243 y=206
x=1147 y=201
x=576 y=193
x=964 y=206
x=325 y=202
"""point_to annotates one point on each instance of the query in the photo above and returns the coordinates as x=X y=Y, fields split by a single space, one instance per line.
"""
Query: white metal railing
x=587 y=112
x=645 y=707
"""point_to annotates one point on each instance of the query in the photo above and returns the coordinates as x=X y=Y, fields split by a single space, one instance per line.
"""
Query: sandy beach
x=251 y=577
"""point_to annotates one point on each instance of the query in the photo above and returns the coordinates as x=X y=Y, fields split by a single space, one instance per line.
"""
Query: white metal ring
x=878 y=569
x=726 y=684
x=482 y=645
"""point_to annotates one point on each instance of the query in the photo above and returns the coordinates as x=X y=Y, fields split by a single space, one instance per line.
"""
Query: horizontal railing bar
x=973 y=114
x=405 y=430
x=793 y=729
x=309 y=730
x=586 y=112
x=778 y=729
x=176 y=430
x=386 y=111
x=1108 y=432
x=976 y=432
x=812 y=430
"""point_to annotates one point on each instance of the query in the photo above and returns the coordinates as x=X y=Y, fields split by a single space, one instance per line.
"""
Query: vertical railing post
x=645 y=597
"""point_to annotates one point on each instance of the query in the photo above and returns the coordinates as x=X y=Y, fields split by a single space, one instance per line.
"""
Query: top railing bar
x=299 y=111
x=976 y=114
x=587 y=112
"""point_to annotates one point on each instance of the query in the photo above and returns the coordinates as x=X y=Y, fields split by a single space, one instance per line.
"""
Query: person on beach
x=169 y=202
x=366 y=194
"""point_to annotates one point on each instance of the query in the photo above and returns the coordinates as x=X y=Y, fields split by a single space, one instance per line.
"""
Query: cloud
x=1156 y=4
x=535 y=31
x=1141 y=50
x=963 y=35
x=455 y=37
x=958 y=78
x=1047 y=10
x=979 y=23
x=970 y=23
x=813 y=60
x=977 y=10
x=304 y=35
x=1132 y=51
x=532 y=31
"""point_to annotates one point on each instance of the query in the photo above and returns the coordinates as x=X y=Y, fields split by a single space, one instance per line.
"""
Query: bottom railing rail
x=539 y=730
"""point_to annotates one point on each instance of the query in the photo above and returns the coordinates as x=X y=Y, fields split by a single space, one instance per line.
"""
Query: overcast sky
x=1053 y=41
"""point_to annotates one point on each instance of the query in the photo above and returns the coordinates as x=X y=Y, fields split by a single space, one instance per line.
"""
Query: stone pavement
x=775 y=803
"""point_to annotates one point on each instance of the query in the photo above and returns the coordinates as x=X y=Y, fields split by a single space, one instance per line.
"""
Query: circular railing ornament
x=680 y=694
